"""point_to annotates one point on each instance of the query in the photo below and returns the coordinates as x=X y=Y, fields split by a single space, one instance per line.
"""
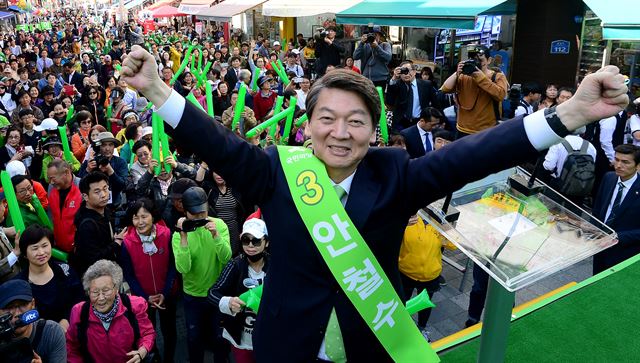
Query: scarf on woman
x=148 y=245
x=107 y=317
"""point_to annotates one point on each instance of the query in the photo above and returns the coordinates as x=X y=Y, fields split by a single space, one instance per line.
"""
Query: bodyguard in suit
x=408 y=96
x=618 y=205
x=419 y=137
x=70 y=76
x=383 y=189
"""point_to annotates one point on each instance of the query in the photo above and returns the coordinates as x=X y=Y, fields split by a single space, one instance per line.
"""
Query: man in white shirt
x=634 y=125
x=343 y=110
x=305 y=84
x=531 y=93
x=557 y=154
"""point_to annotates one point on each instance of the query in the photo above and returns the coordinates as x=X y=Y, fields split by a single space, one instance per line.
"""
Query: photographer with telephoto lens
x=479 y=91
x=105 y=161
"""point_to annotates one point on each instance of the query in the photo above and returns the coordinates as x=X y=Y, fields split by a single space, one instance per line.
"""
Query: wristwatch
x=554 y=122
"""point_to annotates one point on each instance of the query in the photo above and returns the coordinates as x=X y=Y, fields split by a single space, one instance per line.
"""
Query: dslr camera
x=371 y=37
x=473 y=63
x=404 y=71
x=101 y=160
x=323 y=32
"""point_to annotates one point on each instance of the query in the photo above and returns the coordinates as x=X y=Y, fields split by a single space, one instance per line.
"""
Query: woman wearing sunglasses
x=244 y=272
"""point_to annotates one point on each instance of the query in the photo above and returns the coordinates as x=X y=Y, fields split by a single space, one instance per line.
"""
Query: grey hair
x=102 y=268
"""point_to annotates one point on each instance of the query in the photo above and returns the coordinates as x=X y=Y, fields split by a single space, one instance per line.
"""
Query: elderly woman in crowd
x=111 y=327
x=149 y=268
x=55 y=285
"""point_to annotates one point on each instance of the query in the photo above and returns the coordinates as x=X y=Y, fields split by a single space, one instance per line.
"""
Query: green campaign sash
x=349 y=258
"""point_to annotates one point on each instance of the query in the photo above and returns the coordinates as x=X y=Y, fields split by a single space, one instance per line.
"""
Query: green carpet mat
x=598 y=323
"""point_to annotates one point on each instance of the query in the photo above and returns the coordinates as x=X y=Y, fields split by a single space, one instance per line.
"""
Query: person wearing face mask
x=147 y=261
x=246 y=271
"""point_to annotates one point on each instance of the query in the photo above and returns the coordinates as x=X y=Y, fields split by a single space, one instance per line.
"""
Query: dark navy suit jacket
x=626 y=223
x=413 y=141
x=388 y=187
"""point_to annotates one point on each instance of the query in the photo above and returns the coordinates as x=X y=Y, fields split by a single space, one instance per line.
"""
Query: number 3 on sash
x=309 y=179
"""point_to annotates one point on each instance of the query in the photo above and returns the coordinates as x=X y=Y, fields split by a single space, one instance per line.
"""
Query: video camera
x=101 y=160
x=190 y=225
x=12 y=349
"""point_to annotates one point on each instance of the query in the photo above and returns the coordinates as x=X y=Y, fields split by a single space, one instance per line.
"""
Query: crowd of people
x=119 y=234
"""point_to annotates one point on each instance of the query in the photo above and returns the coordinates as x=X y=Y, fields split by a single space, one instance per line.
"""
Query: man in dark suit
x=233 y=72
x=383 y=189
x=618 y=205
x=70 y=76
x=419 y=137
x=408 y=95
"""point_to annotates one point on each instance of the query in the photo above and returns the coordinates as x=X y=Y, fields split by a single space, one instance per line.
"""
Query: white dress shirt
x=607 y=127
x=557 y=154
x=422 y=138
x=634 y=125
x=627 y=185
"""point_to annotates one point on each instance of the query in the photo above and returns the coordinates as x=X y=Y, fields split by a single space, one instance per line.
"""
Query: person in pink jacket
x=112 y=327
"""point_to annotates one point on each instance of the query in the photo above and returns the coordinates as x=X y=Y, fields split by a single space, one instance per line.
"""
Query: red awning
x=166 y=11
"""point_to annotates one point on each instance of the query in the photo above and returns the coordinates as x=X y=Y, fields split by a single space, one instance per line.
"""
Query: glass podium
x=517 y=239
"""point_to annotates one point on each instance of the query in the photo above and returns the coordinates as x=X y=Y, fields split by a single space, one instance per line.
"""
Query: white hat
x=276 y=43
x=48 y=124
x=256 y=227
x=147 y=130
x=16 y=167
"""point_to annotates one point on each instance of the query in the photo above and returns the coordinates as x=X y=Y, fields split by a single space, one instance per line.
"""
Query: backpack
x=578 y=171
x=83 y=325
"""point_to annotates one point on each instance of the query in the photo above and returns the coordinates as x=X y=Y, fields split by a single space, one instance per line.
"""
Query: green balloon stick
x=183 y=65
x=70 y=113
x=155 y=140
x=65 y=144
x=252 y=298
x=191 y=98
x=12 y=201
x=254 y=79
x=384 y=131
x=270 y=122
x=59 y=255
x=164 y=139
x=108 y=117
x=133 y=156
x=239 y=108
x=42 y=214
x=203 y=75
x=289 y=122
x=301 y=120
x=419 y=302
x=283 y=75
x=209 y=96
x=276 y=109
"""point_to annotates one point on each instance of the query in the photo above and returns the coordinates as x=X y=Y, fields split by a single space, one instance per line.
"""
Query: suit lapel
x=362 y=196
x=632 y=195
x=610 y=186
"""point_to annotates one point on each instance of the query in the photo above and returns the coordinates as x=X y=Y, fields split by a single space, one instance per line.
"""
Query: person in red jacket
x=105 y=330
x=16 y=167
x=264 y=100
x=64 y=201
x=149 y=268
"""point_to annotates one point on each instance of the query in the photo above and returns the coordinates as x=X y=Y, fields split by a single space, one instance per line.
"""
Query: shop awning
x=194 y=6
x=288 y=8
x=453 y=14
x=133 y=3
x=166 y=12
x=159 y=4
x=227 y=9
x=16 y=9
x=619 y=18
x=4 y=15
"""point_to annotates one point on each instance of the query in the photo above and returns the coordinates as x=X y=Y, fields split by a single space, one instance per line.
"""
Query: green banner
x=349 y=258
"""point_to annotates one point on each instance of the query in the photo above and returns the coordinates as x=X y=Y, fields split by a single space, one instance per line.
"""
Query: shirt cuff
x=12 y=259
x=172 y=109
x=224 y=305
x=539 y=133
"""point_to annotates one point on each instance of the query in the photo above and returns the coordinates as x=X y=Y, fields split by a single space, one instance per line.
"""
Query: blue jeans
x=203 y=330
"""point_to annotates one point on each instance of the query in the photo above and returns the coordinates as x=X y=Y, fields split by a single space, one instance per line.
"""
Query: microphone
x=27 y=318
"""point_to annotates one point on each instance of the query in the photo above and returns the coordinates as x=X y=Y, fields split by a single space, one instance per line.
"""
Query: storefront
x=611 y=36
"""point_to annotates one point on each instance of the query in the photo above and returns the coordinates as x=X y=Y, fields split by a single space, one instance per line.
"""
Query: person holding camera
x=479 y=91
x=38 y=339
x=201 y=248
x=408 y=96
x=375 y=55
x=327 y=50
x=106 y=162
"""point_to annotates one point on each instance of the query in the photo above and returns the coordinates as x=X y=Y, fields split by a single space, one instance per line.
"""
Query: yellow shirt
x=420 y=253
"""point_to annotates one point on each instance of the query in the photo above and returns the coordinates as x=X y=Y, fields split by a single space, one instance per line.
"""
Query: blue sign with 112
x=560 y=47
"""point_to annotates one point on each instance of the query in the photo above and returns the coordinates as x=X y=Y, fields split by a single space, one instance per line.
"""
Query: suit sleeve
x=238 y=162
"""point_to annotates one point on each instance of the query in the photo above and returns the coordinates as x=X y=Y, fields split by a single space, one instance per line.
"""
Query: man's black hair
x=626 y=149
x=443 y=134
x=92 y=178
x=428 y=112
x=531 y=87
x=566 y=89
